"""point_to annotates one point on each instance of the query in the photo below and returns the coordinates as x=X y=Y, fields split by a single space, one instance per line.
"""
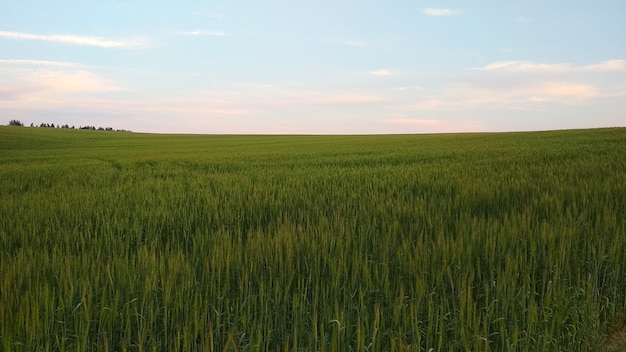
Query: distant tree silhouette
x=52 y=125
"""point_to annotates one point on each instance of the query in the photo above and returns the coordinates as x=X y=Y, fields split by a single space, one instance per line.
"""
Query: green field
x=463 y=242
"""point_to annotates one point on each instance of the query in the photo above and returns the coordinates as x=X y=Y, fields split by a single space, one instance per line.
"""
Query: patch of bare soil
x=617 y=341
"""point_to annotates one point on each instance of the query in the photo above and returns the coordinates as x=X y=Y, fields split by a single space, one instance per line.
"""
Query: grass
x=482 y=242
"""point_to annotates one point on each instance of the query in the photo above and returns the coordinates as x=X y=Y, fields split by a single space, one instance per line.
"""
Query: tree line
x=51 y=125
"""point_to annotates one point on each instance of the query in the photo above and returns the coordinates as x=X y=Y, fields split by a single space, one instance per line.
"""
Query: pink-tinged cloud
x=75 y=40
x=515 y=94
x=266 y=97
x=77 y=81
x=416 y=125
x=43 y=87
x=189 y=107
x=414 y=122
x=532 y=67
x=381 y=73
x=347 y=100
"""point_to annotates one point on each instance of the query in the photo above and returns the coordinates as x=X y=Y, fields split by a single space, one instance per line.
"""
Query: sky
x=314 y=67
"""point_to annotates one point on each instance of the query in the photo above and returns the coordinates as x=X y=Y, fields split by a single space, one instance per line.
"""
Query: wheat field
x=462 y=242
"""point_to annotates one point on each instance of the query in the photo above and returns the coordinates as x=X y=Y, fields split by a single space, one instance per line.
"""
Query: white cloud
x=440 y=12
x=75 y=40
x=203 y=33
x=524 y=66
x=532 y=67
x=41 y=63
x=606 y=66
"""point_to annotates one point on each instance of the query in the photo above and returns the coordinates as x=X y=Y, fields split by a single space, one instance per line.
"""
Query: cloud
x=347 y=99
x=510 y=86
x=562 y=92
x=49 y=84
x=607 y=66
x=440 y=12
x=41 y=63
x=84 y=98
x=264 y=96
x=190 y=106
x=524 y=66
x=205 y=33
x=421 y=125
x=407 y=88
x=75 y=40
x=414 y=122
x=532 y=67
x=73 y=82
x=49 y=80
x=521 y=83
x=515 y=94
